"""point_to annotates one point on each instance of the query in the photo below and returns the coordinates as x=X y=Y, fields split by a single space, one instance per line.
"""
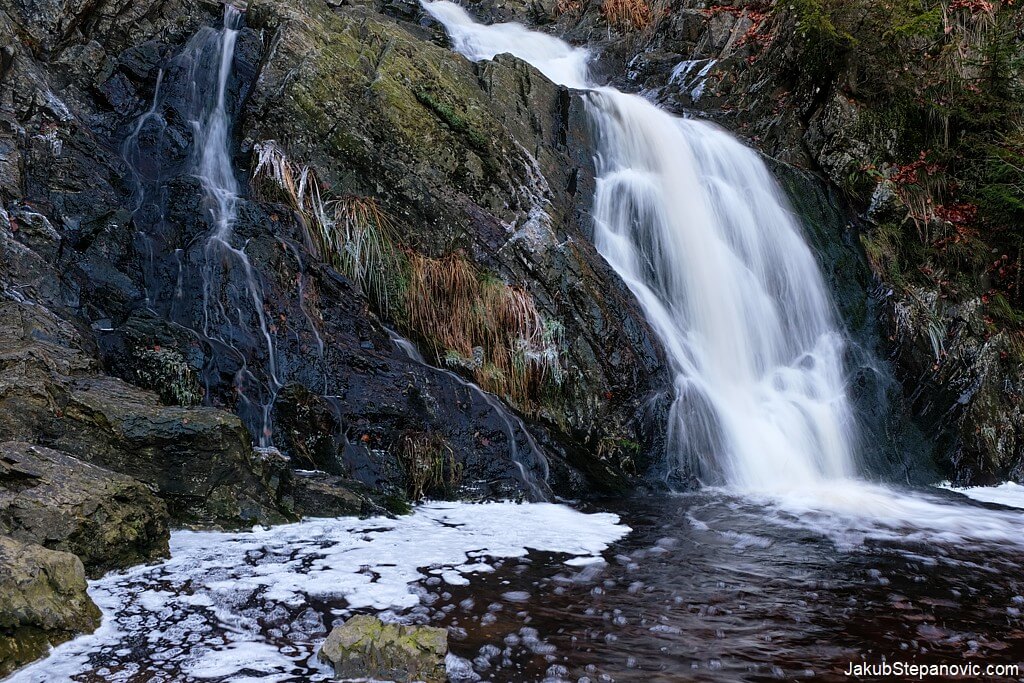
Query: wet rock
x=366 y=647
x=44 y=601
x=104 y=230
x=199 y=459
x=492 y=159
x=108 y=520
x=318 y=494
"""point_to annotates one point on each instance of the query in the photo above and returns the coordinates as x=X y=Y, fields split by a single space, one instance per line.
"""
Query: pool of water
x=709 y=586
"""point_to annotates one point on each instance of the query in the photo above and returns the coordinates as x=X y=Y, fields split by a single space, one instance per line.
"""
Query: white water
x=214 y=169
x=697 y=227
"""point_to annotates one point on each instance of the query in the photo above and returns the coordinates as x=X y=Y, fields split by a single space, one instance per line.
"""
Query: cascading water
x=698 y=229
x=215 y=171
x=694 y=223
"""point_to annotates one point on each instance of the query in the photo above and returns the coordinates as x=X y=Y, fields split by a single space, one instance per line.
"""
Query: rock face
x=133 y=343
x=108 y=520
x=44 y=601
x=200 y=459
x=491 y=160
x=365 y=647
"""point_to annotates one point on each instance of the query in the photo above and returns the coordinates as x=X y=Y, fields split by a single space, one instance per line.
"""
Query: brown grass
x=482 y=325
x=627 y=15
x=568 y=7
x=468 y=320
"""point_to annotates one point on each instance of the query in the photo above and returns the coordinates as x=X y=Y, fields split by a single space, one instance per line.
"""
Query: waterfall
x=230 y=319
x=213 y=135
x=697 y=227
x=216 y=173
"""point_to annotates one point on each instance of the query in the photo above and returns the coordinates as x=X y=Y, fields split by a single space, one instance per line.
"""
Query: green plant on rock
x=169 y=374
x=624 y=450
x=457 y=122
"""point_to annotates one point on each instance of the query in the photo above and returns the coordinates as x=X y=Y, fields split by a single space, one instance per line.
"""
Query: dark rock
x=44 y=601
x=199 y=459
x=318 y=494
x=366 y=647
x=108 y=520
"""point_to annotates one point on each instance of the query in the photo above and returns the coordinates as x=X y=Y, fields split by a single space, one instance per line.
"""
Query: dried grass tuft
x=627 y=15
x=429 y=463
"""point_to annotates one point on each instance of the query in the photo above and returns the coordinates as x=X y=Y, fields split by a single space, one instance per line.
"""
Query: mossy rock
x=366 y=647
x=44 y=601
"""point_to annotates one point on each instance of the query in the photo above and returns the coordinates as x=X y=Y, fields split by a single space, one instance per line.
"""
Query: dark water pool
x=704 y=590
x=706 y=587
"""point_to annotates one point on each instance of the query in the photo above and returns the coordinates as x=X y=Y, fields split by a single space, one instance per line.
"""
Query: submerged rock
x=366 y=647
x=44 y=601
x=109 y=520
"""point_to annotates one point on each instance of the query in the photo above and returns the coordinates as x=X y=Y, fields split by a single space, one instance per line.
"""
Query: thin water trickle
x=231 y=320
x=222 y=303
x=512 y=424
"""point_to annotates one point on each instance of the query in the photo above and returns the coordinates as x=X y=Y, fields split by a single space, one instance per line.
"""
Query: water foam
x=209 y=611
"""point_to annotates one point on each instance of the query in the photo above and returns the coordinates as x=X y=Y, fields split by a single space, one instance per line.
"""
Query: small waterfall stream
x=513 y=425
x=232 y=319
x=215 y=170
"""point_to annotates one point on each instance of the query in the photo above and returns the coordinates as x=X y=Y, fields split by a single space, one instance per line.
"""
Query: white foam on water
x=198 y=615
x=852 y=512
x=1008 y=493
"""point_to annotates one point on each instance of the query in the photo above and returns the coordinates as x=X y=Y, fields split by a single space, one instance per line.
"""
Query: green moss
x=396 y=504
x=453 y=120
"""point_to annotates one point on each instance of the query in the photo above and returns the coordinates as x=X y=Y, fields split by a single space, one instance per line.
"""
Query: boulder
x=318 y=494
x=109 y=520
x=44 y=601
x=366 y=647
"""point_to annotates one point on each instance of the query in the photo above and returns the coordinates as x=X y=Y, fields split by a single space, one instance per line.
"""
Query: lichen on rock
x=366 y=647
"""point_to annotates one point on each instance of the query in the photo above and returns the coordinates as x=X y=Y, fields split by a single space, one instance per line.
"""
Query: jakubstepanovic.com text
x=968 y=669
